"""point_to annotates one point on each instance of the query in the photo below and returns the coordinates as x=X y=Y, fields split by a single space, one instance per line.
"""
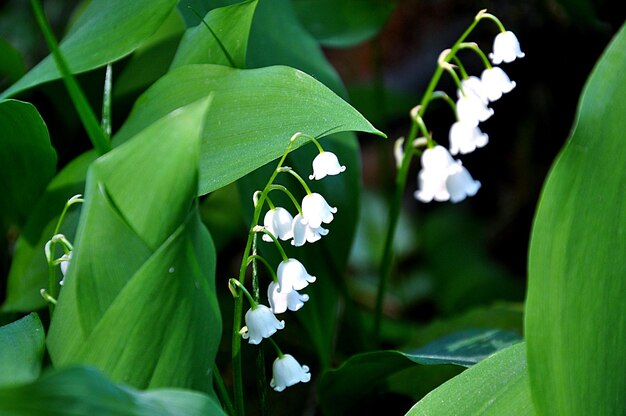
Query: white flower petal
x=261 y=323
x=278 y=222
x=303 y=232
x=326 y=163
x=465 y=137
x=287 y=372
x=505 y=48
x=293 y=276
x=280 y=302
x=460 y=183
x=316 y=210
x=472 y=109
x=496 y=83
x=473 y=85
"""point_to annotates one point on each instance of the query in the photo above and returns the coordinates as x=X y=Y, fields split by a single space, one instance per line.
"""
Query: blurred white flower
x=280 y=302
x=287 y=372
x=316 y=210
x=460 y=183
x=442 y=178
x=473 y=85
x=496 y=82
x=260 y=323
x=64 y=265
x=303 y=232
x=505 y=48
x=278 y=222
x=471 y=108
x=292 y=276
x=465 y=137
x=326 y=163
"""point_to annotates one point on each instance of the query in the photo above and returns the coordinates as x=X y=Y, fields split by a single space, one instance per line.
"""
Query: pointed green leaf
x=340 y=388
x=143 y=265
x=576 y=314
x=29 y=268
x=231 y=28
x=22 y=344
x=496 y=386
x=343 y=23
x=82 y=391
x=253 y=115
x=27 y=158
x=106 y=31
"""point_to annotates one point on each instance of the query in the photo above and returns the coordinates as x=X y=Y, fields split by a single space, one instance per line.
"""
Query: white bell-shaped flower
x=287 y=372
x=432 y=177
x=260 y=323
x=473 y=85
x=316 y=210
x=64 y=265
x=293 y=276
x=496 y=82
x=505 y=48
x=460 y=183
x=303 y=232
x=465 y=137
x=280 y=302
x=278 y=222
x=470 y=107
x=326 y=163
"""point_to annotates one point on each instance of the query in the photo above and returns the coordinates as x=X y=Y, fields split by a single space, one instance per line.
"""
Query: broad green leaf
x=22 y=344
x=496 y=386
x=231 y=26
x=576 y=314
x=29 y=269
x=253 y=115
x=28 y=160
x=152 y=59
x=106 y=31
x=343 y=23
x=82 y=391
x=359 y=375
x=143 y=265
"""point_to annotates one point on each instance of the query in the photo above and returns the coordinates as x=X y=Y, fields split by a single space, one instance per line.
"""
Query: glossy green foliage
x=12 y=65
x=22 y=344
x=29 y=268
x=143 y=266
x=359 y=375
x=27 y=158
x=343 y=23
x=106 y=31
x=576 y=314
x=82 y=391
x=223 y=42
x=256 y=110
x=496 y=386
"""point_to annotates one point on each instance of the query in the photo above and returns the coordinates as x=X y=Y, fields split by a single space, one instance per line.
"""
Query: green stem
x=474 y=47
x=289 y=194
x=266 y=263
x=222 y=392
x=106 y=101
x=401 y=178
x=276 y=242
x=298 y=177
x=317 y=144
x=236 y=337
x=440 y=95
x=100 y=141
x=275 y=345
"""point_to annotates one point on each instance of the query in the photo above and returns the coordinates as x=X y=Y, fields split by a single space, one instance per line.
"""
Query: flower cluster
x=443 y=178
x=291 y=276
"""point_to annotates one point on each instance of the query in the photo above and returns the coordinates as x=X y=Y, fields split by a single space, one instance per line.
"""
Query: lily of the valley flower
x=473 y=85
x=496 y=82
x=505 y=48
x=293 y=276
x=316 y=210
x=287 y=372
x=442 y=178
x=278 y=222
x=64 y=265
x=465 y=137
x=280 y=302
x=303 y=232
x=326 y=163
x=471 y=108
x=260 y=323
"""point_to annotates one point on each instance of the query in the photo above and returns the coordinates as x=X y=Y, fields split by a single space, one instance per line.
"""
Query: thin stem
x=106 y=101
x=459 y=64
x=275 y=240
x=240 y=286
x=255 y=271
x=99 y=140
x=222 y=392
x=275 y=345
x=484 y=15
x=474 y=47
x=293 y=173
x=441 y=95
x=401 y=178
x=317 y=144
x=288 y=193
x=236 y=337
x=266 y=263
